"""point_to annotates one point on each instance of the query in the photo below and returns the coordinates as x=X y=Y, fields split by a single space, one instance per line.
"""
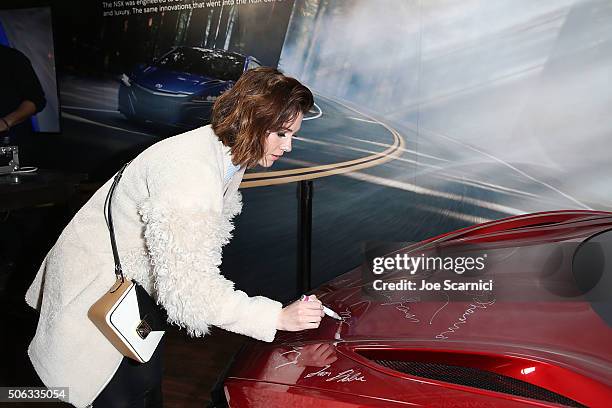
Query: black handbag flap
x=151 y=312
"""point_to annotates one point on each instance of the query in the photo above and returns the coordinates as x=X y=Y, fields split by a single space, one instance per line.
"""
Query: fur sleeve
x=185 y=251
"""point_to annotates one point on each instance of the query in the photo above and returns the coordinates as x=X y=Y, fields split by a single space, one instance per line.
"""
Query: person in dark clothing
x=21 y=96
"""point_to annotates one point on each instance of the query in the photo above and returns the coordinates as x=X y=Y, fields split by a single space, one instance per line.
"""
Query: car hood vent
x=477 y=378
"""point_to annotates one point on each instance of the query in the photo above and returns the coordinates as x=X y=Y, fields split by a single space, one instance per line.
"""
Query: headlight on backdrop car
x=125 y=80
x=204 y=99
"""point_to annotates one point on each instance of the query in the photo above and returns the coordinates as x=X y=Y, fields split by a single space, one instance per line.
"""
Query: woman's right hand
x=301 y=315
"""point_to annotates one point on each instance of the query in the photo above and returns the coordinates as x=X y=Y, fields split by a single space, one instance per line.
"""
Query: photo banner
x=136 y=31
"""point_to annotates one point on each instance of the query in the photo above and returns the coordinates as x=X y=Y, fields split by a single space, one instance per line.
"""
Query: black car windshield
x=208 y=63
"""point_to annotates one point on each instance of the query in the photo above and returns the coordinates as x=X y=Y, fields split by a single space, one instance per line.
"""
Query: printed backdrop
x=430 y=115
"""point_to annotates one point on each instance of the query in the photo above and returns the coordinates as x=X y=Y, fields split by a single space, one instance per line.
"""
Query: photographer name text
x=447 y=285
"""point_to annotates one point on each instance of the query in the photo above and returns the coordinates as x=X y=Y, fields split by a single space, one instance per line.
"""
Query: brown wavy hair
x=263 y=100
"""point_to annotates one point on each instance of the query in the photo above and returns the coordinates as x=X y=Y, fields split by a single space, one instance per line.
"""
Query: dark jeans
x=135 y=385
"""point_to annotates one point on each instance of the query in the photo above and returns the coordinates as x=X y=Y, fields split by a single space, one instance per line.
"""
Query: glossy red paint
x=529 y=332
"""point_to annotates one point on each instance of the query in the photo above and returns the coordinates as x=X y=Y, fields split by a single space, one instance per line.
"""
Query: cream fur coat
x=172 y=215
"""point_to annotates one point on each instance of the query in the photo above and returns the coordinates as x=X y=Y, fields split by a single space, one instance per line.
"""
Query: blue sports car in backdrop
x=179 y=88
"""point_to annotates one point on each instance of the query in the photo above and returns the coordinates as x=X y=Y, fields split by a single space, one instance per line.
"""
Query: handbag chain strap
x=109 y=222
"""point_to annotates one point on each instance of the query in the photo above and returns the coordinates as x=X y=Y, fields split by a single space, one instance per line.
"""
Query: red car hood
x=388 y=350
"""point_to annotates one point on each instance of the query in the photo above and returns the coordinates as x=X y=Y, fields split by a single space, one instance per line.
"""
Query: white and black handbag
x=127 y=316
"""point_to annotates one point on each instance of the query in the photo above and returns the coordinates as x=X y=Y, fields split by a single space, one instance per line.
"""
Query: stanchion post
x=304 y=230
